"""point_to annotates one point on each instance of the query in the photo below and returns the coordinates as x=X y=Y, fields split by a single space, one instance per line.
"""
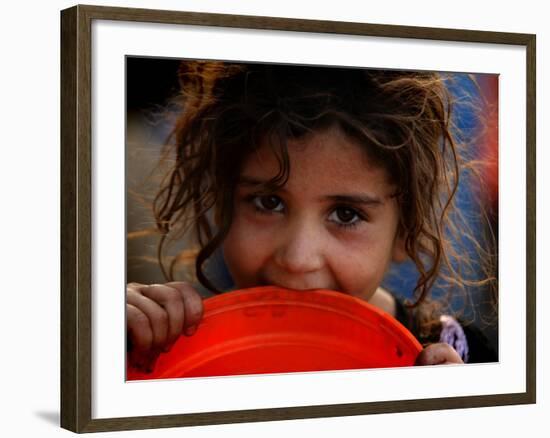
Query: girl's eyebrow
x=360 y=199
x=351 y=198
x=251 y=181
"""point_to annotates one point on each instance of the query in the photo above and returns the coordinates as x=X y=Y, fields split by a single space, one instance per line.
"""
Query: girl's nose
x=300 y=249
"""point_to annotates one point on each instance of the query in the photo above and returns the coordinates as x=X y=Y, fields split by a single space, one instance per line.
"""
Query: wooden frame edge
x=531 y=217
x=75 y=220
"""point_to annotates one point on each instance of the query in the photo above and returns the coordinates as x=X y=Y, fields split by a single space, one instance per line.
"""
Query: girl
x=310 y=178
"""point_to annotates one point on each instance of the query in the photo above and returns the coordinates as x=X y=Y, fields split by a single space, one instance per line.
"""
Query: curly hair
x=402 y=120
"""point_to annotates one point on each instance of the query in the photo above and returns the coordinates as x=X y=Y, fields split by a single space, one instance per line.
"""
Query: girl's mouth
x=295 y=285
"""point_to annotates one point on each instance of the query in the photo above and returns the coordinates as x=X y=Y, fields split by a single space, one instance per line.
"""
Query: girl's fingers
x=156 y=315
x=171 y=301
x=139 y=329
x=193 y=306
x=438 y=354
x=140 y=335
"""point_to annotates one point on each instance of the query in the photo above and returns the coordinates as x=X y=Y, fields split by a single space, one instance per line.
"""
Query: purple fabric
x=453 y=334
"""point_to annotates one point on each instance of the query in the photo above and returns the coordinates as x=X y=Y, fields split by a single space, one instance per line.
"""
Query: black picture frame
x=76 y=172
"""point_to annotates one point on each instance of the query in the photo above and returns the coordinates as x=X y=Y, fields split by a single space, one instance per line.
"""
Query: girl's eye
x=268 y=203
x=345 y=216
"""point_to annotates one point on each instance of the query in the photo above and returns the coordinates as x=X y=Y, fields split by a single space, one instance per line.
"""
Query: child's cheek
x=360 y=270
x=245 y=248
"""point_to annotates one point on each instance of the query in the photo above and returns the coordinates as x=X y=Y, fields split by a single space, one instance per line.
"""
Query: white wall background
x=29 y=188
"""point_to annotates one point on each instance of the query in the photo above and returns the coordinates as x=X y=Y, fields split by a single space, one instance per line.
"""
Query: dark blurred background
x=150 y=83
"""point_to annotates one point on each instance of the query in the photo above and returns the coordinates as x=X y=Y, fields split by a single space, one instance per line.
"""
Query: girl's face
x=332 y=226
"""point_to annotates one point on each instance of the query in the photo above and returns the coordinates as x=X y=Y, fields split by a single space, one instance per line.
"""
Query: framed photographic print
x=326 y=218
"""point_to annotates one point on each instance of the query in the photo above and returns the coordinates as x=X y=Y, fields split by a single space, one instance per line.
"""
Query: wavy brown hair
x=402 y=119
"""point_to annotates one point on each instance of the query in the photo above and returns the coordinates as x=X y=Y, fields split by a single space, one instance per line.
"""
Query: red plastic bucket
x=275 y=330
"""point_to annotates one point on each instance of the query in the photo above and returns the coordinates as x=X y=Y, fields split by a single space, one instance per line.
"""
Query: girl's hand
x=156 y=315
x=438 y=354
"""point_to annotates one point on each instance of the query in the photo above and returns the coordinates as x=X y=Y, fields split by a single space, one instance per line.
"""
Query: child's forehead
x=327 y=158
